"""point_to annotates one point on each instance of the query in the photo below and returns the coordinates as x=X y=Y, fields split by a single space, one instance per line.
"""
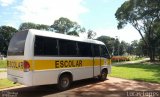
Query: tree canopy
x=6 y=32
x=91 y=34
x=66 y=26
x=144 y=16
x=110 y=43
x=61 y=25
x=29 y=25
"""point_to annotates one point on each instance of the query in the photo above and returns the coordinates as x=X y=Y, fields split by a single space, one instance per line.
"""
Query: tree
x=136 y=48
x=144 y=16
x=6 y=32
x=91 y=34
x=117 y=47
x=29 y=25
x=66 y=26
x=76 y=28
x=142 y=48
x=123 y=48
x=109 y=42
x=42 y=27
x=156 y=28
x=62 y=25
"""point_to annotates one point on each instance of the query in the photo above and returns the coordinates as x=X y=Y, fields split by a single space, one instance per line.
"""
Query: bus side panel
x=45 y=71
x=97 y=66
x=109 y=66
x=42 y=77
x=106 y=63
x=82 y=73
x=86 y=71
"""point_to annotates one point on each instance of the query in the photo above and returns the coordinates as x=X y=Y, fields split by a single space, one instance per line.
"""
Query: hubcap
x=65 y=82
x=103 y=75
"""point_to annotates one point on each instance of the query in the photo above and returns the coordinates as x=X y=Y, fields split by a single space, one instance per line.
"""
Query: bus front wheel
x=103 y=75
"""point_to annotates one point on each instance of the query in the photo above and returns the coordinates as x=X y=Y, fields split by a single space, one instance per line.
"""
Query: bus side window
x=104 y=52
x=96 y=50
x=67 y=48
x=84 y=49
x=38 y=46
x=45 y=46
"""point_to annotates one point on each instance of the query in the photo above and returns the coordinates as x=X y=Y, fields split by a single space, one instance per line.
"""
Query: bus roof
x=62 y=36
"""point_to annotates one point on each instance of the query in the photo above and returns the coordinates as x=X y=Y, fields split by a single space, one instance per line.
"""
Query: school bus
x=42 y=57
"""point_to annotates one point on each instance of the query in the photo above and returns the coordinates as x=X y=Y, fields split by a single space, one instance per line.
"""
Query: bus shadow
x=39 y=91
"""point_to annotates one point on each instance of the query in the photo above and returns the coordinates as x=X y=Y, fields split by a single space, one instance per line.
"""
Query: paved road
x=113 y=87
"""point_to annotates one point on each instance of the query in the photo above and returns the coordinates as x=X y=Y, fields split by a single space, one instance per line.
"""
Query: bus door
x=96 y=60
x=104 y=55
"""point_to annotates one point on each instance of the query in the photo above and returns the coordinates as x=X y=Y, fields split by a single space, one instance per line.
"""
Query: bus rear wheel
x=64 y=82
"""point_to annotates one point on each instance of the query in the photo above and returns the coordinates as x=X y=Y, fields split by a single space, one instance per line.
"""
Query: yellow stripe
x=43 y=64
x=55 y=64
x=97 y=62
x=109 y=61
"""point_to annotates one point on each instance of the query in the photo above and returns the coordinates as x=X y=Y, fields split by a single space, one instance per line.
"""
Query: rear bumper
x=25 y=80
x=15 y=79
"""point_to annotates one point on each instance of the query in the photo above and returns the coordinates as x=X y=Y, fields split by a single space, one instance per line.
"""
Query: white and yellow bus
x=41 y=57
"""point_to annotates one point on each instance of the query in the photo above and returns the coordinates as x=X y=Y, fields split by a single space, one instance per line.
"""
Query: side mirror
x=111 y=56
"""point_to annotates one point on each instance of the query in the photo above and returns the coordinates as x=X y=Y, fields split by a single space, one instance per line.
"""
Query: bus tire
x=64 y=82
x=103 y=75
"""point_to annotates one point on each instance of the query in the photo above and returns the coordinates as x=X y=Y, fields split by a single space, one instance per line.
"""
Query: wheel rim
x=103 y=75
x=65 y=82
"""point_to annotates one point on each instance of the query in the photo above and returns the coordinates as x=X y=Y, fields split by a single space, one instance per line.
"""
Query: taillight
x=26 y=66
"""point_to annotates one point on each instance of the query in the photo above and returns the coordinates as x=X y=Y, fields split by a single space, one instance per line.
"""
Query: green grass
x=3 y=71
x=3 y=63
x=5 y=83
x=139 y=71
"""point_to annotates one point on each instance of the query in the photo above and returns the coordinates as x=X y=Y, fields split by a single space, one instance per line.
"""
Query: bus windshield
x=104 y=52
x=17 y=43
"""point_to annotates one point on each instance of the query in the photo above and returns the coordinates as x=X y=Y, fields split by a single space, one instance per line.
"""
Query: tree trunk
x=152 y=54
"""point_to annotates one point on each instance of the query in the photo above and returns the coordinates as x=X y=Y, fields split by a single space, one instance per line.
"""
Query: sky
x=97 y=15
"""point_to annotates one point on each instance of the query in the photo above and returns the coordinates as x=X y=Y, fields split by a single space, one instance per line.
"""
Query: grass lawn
x=3 y=71
x=3 y=63
x=139 y=71
x=4 y=83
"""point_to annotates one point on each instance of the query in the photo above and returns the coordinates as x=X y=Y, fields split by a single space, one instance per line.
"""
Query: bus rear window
x=17 y=43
